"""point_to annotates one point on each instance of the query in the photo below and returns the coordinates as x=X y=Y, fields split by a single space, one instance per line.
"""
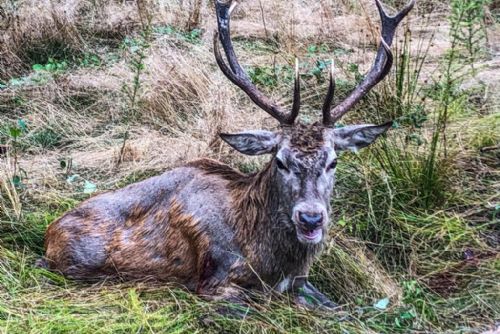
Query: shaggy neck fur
x=263 y=230
x=266 y=229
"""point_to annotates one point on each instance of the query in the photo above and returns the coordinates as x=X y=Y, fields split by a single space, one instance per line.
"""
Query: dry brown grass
x=30 y=29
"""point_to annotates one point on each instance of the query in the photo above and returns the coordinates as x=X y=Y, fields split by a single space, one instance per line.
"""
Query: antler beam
x=235 y=73
x=381 y=67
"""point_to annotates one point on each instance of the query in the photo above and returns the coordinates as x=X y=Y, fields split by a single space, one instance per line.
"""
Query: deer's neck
x=265 y=231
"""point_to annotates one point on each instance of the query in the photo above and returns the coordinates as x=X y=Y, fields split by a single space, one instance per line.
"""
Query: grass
x=416 y=215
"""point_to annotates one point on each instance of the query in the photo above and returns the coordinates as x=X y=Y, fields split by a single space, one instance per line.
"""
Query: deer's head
x=305 y=156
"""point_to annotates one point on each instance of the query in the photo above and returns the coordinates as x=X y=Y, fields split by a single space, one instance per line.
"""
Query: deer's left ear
x=252 y=142
x=354 y=137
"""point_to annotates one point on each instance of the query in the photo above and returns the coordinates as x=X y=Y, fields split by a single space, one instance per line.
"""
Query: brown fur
x=308 y=138
x=178 y=256
x=131 y=253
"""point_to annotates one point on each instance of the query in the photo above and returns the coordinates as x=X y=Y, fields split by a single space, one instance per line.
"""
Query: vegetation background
x=96 y=94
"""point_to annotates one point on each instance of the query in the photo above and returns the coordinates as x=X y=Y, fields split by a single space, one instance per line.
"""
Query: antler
x=239 y=77
x=327 y=105
x=381 y=67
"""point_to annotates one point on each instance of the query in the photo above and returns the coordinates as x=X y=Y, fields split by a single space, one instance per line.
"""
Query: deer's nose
x=311 y=220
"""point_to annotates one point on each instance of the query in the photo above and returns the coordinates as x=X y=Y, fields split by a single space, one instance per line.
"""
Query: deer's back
x=162 y=227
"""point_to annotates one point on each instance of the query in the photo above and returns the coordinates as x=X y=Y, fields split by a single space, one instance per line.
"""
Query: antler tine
x=382 y=65
x=296 y=94
x=235 y=73
x=327 y=105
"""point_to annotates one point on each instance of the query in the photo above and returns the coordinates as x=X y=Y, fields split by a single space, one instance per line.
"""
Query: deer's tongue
x=311 y=234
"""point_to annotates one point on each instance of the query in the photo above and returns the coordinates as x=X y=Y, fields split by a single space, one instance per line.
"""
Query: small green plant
x=11 y=173
x=315 y=49
x=468 y=31
x=137 y=49
x=319 y=68
x=52 y=66
x=45 y=138
x=90 y=60
x=192 y=36
x=42 y=73
x=270 y=76
x=15 y=132
x=138 y=55
x=263 y=75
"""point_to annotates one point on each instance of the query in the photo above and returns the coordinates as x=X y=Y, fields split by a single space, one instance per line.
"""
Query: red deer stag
x=213 y=229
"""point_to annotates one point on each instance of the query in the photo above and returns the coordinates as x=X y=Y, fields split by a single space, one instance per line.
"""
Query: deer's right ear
x=252 y=142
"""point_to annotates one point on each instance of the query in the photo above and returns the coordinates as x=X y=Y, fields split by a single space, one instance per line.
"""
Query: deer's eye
x=331 y=166
x=281 y=165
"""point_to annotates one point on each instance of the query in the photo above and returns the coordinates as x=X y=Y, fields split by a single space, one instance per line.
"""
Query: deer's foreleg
x=219 y=282
x=307 y=295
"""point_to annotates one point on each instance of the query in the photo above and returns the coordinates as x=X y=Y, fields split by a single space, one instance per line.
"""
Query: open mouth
x=311 y=234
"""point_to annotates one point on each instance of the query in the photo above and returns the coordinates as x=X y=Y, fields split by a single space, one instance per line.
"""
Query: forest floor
x=414 y=247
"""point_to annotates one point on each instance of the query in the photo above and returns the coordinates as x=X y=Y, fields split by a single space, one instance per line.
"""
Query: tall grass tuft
x=468 y=14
